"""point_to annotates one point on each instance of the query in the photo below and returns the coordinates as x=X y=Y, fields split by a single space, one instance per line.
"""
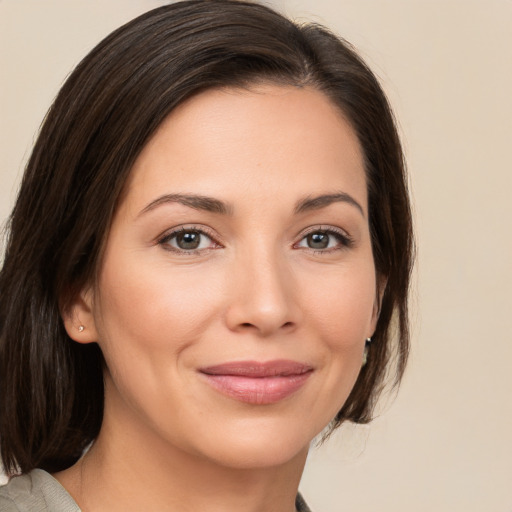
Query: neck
x=128 y=468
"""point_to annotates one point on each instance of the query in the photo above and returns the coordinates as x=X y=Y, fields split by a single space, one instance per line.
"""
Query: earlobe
x=78 y=318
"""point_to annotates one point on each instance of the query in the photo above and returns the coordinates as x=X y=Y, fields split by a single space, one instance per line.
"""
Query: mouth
x=258 y=383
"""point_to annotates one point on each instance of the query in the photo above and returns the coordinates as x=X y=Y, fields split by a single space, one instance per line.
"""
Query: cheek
x=341 y=304
x=154 y=308
x=341 y=309
x=148 y=317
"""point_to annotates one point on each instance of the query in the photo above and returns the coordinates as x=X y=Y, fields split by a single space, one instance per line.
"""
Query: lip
x=258 y=383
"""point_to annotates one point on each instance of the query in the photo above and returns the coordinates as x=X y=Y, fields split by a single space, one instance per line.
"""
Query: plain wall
x=445 y=443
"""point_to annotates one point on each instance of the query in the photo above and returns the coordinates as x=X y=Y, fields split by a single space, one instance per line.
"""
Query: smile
x=258 y=383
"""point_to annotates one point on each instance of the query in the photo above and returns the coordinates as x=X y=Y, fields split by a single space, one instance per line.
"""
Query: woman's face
x=238 y=284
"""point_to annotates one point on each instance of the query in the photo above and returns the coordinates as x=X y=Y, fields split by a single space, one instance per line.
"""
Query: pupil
x=189 y=240
x=318 y=240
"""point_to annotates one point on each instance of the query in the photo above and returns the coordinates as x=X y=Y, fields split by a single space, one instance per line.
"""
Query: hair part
x=51 y=388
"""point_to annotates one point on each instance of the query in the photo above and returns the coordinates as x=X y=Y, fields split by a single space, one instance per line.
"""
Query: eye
x=325 y=240
x=187 y=240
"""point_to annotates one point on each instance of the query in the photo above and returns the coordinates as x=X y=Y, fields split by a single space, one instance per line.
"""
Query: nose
x=263 y=295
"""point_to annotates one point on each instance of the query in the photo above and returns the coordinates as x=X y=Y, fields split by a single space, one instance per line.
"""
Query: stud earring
x=81 y=328
x=366 y=350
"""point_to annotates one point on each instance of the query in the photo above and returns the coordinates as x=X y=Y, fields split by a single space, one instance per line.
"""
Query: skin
x=254 y=290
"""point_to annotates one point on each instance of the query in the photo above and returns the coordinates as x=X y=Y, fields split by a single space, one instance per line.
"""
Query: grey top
x=38 y=491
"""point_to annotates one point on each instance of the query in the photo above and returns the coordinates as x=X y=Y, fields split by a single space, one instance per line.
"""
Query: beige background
x=445 y=444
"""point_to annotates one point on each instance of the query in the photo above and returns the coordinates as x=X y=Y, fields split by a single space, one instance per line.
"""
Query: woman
x=212 y=229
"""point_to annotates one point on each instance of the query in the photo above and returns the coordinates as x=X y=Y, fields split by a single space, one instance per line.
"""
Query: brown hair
x=51 y=389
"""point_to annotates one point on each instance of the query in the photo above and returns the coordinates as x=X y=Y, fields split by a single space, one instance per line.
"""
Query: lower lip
x=258 y=390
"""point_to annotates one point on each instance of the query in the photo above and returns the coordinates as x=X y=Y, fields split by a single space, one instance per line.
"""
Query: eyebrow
x=316 y=203
x=198 y=202
x=210 y=204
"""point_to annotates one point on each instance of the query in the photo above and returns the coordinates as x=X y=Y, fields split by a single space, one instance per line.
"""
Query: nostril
x=286 y=325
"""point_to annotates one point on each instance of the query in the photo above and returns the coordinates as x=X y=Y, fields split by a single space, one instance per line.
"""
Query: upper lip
x=256 y=369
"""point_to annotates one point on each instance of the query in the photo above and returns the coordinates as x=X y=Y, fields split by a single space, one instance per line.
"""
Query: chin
x=259 y=444
x=258 y=457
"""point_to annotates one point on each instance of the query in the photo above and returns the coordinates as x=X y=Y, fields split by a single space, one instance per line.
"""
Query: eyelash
x=345 y=241
x=167 y=237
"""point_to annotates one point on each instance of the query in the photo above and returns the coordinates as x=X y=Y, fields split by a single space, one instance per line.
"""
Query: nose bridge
x=263 y=297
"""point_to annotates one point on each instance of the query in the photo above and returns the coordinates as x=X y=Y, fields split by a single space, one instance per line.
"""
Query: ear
x=382 y=282
x=78 y=318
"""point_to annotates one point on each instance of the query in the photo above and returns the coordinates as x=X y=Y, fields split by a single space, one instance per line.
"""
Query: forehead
x=225 y=141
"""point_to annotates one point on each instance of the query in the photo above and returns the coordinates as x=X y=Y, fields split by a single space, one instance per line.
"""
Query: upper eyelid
x=169 y=233
x=210 y=233
x=164 y=240
x=325 y=229
x=344 y=238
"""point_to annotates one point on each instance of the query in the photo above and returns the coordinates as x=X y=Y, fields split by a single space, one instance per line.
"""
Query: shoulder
x=6 y=504
x=37 y=490
x=300 y=504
